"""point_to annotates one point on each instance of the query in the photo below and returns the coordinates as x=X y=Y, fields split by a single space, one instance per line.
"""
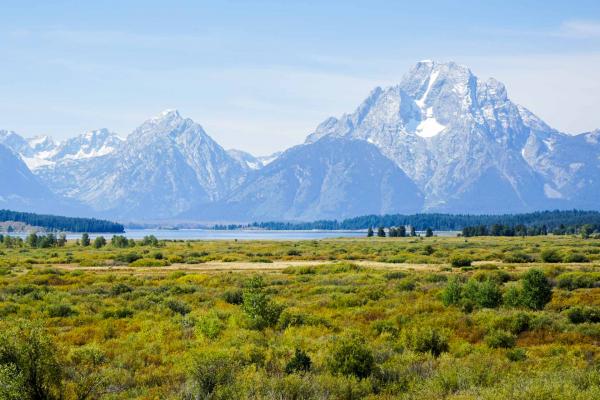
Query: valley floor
x=454 y=318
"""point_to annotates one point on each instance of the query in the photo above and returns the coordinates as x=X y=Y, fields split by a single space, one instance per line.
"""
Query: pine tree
x=85 y=240
x=413 y=231
x=428 y=232
x=380 y=232
x=370 y=232
x=401 y=231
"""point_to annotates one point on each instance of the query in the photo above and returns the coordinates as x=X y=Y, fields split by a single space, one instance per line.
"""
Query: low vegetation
x=369 y=318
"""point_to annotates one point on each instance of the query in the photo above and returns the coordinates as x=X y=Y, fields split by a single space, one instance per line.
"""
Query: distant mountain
x=442 y=140
x=21 y=190
x=466 y=145
x=330 y=178
x=165 y=167
x=42 y=152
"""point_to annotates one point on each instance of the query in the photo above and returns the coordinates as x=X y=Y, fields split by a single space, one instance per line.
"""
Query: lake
x=250 y=234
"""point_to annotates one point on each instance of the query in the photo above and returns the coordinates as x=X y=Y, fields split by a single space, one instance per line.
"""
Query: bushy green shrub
x=349 y=355
x=210 y=326
x=500 y=339
x=452 y=293
x=460 y=260
x=60 y=310
x=577 y=280
x=426 y=340
x=149 y=262
x=581 y=314
x=516 y=354
x=178 y=306
x=212 y=376
x=551 y=256
x=536 y=290
x=235 y=297
x=300 y=362
x=575 y=258
x=261 y=311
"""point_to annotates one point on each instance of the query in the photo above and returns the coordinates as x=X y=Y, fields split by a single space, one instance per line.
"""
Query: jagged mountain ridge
x=452 y=133
x=462 y=142
x=163 y=168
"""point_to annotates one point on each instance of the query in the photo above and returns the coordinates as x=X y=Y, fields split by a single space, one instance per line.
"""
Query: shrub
x=210 y=326
x=515 y=355
x=235 y=297
x=577 y=280
x=300 y=362
x=29 y=368
x=100 y=241
x=575 y=258
x=488 y=295
x=459 y=261
x=119 y=288
x=149 y=262
x=406 y=285
x=260 y=310
x=349 y=355
x=520 y=322
x=551 y=256
x=127 y=257
x=426 y=340
x=535 y=289
x=500 y=339
x=512 y=296
x=178 y=306
x=452 y=293
x=60 y=310
x=580 y=314
x=212 y=375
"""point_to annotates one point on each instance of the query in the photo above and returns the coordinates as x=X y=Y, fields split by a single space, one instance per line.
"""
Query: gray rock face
x=165 y=166
x=456 y=137
x=22 y=191
x=330 y=178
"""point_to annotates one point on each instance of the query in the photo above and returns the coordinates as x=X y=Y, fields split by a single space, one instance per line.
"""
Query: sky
x=261 y=75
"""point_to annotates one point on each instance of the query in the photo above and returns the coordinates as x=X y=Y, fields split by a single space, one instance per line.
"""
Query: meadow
x=369 y=318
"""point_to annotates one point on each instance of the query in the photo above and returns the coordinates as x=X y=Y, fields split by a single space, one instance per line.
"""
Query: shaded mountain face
x=165 y=166
x=455 y=135
x=330 y=178
x=22 y=191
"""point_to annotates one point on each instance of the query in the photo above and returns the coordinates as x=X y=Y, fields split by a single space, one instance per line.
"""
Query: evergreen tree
x=428 y=232
x=380 y=232
x=32 y=239
x=100 y=241
x=85 y=240
x=370 y=232
x=413 y=231
x=401 y=231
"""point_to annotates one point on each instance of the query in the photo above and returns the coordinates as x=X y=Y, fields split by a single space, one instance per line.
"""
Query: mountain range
x=441 y=140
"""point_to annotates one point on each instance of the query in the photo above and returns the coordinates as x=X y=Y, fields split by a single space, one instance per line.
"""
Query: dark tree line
x=442 y=222
x=585 y=230
x=58 y=223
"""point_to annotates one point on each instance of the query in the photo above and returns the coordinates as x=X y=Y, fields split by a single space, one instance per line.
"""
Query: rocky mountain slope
x=440 y=140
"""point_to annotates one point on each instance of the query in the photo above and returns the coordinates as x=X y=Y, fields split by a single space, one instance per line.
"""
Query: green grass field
x=456 y=318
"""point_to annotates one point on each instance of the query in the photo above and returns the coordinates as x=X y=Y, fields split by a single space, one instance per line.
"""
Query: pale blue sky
x=260 y=75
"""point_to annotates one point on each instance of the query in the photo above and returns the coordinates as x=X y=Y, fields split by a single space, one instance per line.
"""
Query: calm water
x=209 y=234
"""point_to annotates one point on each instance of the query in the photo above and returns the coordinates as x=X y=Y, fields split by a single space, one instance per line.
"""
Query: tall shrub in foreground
x=350 y=355
x=536 y=290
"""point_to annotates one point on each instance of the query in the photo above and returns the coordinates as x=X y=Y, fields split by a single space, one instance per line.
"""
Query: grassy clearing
x=339 y=319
